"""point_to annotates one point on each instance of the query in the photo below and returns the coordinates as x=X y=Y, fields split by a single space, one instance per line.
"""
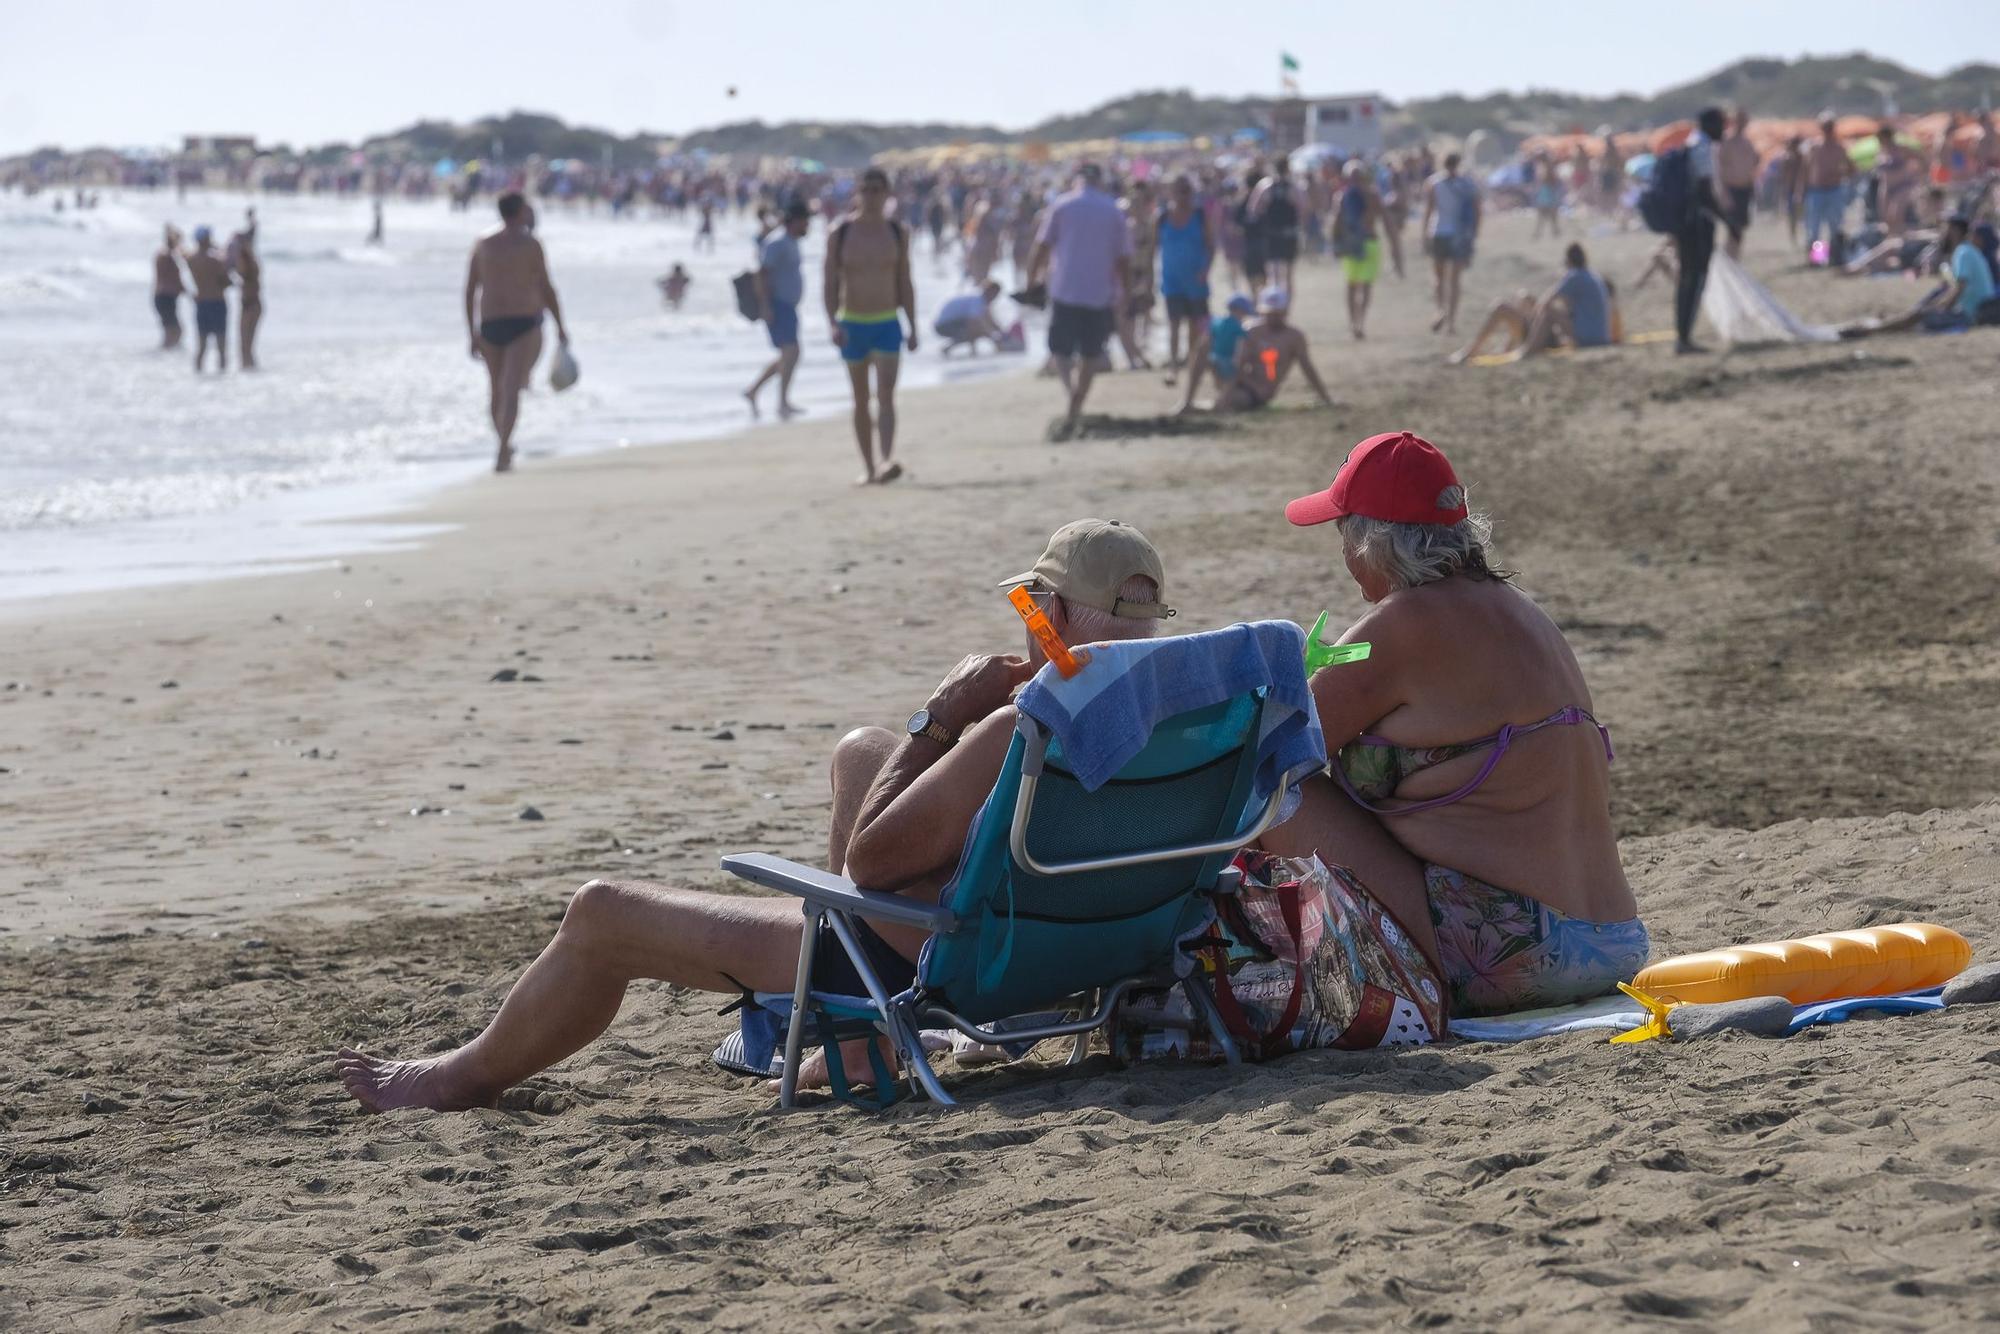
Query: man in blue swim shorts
x=869 y=293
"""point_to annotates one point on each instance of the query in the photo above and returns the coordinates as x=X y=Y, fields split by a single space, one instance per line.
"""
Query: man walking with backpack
x=867 y=282
x=1682 y=202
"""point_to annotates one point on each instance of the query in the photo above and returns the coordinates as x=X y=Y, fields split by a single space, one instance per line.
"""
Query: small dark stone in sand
x=170 y=685
x=766 y=727
x=504 y=674
x=5 y=770
x=427 y=810
x=716 y=764
x=96 y=1104
x=724 y=735
x=570 y=741
x=680 y=727
x=529 y=813
x=456 y=787
x=242 y=773
x=254 y=942
x=128 y=700
x=529 y=676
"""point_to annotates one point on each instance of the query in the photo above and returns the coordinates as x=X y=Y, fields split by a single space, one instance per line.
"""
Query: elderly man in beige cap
x=902 y=802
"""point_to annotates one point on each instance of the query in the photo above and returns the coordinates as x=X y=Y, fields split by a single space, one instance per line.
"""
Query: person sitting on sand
x=967 y=318
x=1265 y=357
x=902 y=802
x=1581 y=310
x=1966 y=299
x=1215 y=353
x=1470 y=792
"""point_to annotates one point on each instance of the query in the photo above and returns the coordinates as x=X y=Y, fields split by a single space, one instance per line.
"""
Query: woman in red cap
x=1470 y=791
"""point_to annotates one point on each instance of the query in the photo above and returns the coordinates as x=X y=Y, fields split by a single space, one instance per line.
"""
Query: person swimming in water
x=507 y=288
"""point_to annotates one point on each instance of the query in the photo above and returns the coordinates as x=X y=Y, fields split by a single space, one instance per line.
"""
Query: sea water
x=119 y=466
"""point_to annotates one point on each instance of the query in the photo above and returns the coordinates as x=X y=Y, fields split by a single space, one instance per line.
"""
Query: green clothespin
x=1320 y=654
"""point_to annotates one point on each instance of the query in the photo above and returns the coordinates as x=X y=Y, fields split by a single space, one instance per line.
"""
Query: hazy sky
x=138 y=72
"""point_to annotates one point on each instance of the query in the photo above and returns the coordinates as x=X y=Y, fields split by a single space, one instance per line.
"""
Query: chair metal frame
x=836 y=900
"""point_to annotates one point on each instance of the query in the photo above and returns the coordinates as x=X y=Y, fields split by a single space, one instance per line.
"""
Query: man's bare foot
x=751 y=399
x=787 y=411
x=865 y=479
x=890 y=474
x=1437 y=325
x=505 y=463
x=385 y=1086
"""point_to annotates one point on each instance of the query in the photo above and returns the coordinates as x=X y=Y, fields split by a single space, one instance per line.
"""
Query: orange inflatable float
x=1874 y=961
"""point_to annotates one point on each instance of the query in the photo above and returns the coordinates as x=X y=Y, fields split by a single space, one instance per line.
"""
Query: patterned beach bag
x=1301 y=957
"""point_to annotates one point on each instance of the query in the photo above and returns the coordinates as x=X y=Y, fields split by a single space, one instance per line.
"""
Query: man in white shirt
x=1694 y=243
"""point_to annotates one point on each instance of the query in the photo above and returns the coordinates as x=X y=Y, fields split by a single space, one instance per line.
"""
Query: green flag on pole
x=1287 y=62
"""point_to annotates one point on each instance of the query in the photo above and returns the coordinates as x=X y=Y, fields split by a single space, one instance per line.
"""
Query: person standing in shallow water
x=167 y=288
x=507 y=288
x=210 y=272
x=250 y=282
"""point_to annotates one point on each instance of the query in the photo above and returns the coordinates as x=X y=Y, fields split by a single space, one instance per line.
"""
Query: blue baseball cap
x=1240 y=305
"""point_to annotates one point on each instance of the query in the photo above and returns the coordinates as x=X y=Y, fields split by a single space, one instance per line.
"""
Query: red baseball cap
x=1397 y=477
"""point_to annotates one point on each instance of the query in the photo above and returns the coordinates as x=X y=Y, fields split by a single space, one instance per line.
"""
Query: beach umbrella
x=444 y=167
x=1248 y=136
x=1640 y=168
x=1305 y=158
x=1153 y=137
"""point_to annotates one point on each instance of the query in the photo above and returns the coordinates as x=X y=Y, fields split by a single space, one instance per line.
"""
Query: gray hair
x=1088 y=625
x=1409 y=554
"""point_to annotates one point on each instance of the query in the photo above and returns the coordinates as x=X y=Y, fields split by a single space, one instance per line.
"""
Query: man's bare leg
x=1453 y=272
x=490 y=355
x=885 y=414
x=788 y=363
x=1086 y=371
x=1507 y=315
x=246 y=327
x=613 y=933
x=864 y=421
x=517 y=363
x=1328 y=824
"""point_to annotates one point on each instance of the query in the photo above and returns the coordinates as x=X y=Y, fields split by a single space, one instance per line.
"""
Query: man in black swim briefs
x=507 y=288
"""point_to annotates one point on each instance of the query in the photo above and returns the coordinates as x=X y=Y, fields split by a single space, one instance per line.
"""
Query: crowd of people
x=209 y=275
x=1109 y=250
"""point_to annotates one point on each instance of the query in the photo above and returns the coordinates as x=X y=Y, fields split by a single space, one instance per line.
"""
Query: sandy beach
x=247 y=822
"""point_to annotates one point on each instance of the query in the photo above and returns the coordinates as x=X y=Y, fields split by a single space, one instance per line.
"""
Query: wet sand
x=1778 y=568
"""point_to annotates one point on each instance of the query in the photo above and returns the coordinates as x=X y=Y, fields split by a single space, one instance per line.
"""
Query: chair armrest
x=836 y=891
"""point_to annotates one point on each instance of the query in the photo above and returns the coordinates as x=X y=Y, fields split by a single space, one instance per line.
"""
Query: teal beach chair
x=1062 y=899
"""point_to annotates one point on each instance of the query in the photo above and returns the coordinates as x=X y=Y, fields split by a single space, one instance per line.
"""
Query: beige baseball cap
x=1088 y=561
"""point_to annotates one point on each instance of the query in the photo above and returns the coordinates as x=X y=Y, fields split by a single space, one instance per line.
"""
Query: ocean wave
x=367 y=255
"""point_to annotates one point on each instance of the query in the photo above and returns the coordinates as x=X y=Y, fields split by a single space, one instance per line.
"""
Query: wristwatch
x=922 y=724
